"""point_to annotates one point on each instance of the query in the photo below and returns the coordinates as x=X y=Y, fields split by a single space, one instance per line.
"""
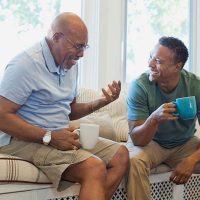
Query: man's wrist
x=97 y=104
x=47 y=138
x=153 y=119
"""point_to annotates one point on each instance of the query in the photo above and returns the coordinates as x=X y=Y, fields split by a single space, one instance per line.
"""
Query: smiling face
x=68 y=40
x=70 y=49
x=162 y=65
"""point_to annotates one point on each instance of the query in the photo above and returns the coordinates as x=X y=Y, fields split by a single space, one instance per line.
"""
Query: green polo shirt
x=144 y=97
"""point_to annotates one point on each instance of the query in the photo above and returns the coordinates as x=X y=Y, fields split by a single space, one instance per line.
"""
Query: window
x=147 y=21
x=24 y=22
x=108 y=57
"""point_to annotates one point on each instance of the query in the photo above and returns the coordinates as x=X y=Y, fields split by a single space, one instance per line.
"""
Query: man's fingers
x=117 y=85
x=113 y=91
x=179 y=179
x=106 y=93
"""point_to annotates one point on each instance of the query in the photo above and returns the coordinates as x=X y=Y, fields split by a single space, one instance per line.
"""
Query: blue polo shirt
x=43 y=89
x=144 y=97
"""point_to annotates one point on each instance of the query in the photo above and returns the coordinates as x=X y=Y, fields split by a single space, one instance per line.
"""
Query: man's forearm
x=17 y=127
x=141 y=135
x=79 y=110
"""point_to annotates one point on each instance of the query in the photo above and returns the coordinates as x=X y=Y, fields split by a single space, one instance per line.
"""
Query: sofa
x=21 y=179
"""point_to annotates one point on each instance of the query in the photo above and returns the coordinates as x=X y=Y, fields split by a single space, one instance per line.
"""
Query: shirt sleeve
x=17 y=83
x=137 y=102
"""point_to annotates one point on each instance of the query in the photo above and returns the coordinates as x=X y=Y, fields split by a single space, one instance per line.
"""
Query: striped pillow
x=14 y=169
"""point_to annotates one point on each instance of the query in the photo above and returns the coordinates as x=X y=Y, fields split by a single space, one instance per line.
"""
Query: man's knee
x=124 y=155
x=121 y=156
x=94 y=168
x=138 y=165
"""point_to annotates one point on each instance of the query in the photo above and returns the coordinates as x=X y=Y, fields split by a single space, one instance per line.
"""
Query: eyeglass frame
x=78 y=47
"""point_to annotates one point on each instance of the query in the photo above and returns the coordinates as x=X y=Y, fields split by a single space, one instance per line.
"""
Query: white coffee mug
x=88 y=134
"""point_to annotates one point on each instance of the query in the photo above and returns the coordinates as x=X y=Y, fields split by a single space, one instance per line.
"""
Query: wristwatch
x=47 y=138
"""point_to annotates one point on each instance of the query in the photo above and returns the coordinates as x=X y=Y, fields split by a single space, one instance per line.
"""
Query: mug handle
x=77 y=131
x=175 y=114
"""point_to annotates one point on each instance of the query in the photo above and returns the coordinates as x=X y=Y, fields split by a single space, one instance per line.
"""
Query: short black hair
x=177 y=46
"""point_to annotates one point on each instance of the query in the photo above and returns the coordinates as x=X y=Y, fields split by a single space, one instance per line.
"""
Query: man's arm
x=143 y=131
x=79 y=110
x=15 y=126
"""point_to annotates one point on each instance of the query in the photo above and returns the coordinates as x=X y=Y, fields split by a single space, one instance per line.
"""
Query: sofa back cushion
x=117 y=111
x=106 y=128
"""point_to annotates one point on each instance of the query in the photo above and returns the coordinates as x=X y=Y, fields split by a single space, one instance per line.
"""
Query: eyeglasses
x=78 y=47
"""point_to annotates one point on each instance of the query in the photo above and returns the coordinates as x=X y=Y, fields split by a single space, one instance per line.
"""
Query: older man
x=37 y=100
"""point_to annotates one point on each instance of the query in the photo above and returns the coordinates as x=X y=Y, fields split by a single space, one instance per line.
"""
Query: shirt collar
x=50 y=63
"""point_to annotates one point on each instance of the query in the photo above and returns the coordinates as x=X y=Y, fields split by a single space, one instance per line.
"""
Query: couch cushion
x=117 y=110
x=161 y=169
x=87 y=95
x=14 y=169
x=103 y=120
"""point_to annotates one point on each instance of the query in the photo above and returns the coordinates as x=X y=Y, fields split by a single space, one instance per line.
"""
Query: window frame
x=194 y=39
x=107 y=34
x=105 y=60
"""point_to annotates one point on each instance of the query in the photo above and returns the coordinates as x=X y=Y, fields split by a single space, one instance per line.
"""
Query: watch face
x=47 y=138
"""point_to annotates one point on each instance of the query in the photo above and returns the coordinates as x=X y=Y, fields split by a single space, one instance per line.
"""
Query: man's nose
x=152 y=62
x=81 y=53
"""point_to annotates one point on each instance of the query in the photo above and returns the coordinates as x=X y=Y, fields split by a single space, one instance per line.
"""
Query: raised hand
x=113 y=91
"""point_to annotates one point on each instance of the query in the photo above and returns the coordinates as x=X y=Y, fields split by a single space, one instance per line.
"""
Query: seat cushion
x=161 y=169
x=14 y=169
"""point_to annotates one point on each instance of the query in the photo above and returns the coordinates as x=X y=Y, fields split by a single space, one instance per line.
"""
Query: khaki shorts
x=54 y=162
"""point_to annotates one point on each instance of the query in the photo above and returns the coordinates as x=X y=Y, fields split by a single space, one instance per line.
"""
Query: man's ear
x=57 y=36
x=179 y=66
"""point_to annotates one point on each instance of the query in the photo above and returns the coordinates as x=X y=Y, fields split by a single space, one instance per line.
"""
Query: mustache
x=66 y=60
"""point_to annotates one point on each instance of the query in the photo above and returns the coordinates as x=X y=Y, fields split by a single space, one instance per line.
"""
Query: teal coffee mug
x=186 y=107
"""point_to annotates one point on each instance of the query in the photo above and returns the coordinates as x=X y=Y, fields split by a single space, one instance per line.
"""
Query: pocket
x=41 y=155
